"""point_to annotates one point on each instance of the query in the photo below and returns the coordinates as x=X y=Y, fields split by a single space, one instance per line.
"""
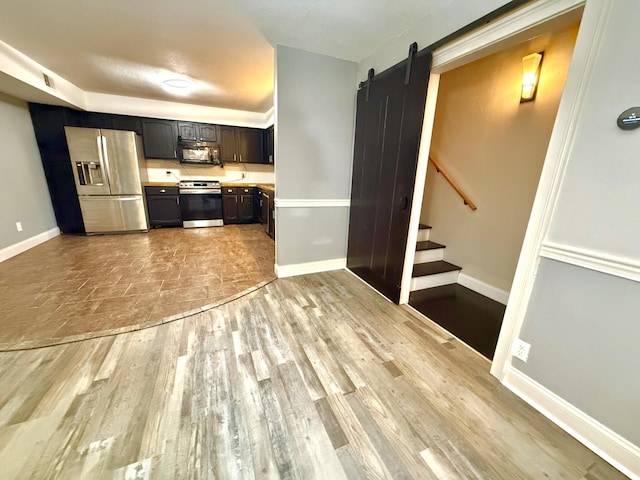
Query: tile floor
x=77 y=287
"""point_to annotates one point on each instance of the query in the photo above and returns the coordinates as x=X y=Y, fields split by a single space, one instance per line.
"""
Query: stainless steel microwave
x=203 y=153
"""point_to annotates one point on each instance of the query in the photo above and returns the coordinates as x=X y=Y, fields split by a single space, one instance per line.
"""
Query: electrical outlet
x=243 y=174
x=521 y=350
x=168 y=172
x=19 y=226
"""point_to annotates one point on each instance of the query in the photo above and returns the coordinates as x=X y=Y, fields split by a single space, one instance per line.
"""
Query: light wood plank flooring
x=307 y=378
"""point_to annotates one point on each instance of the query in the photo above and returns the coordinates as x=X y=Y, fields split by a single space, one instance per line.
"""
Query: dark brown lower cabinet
x=163 y=206
x=389 y=118
x=246 y=208
x=239 y=204
x=229 y=206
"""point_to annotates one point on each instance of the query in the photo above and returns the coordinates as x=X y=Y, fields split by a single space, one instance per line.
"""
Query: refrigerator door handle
x=104 y=157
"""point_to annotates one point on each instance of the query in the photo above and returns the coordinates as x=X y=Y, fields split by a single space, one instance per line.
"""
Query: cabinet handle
x=240 y=157
x=234 y=158
x=178 y=200
x=162 y=190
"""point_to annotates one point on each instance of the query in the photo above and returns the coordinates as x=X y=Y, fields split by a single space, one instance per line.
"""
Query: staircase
x=435 y=293
x=429 y=269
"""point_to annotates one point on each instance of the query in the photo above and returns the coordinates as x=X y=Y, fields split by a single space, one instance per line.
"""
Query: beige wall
x=494 y=147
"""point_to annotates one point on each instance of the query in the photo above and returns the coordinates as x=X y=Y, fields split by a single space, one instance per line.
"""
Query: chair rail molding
x=620 y=266
x=312 y=202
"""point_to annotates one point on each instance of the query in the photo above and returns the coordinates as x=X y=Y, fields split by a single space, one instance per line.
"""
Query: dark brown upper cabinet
x=208 y=133
x=250 y=148
x=128 y=123
x=243 y=145
x=269 y=145
x=198 y=132
x=228 y=149
x=159 y=138
x=96 y=120
x=187 y=131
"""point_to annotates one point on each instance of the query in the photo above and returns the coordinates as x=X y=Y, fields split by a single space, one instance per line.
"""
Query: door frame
x=513 y=28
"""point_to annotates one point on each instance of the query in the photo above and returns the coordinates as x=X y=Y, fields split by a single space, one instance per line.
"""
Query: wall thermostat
x=629 y=119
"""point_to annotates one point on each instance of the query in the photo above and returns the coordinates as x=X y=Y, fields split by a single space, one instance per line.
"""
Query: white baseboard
x=494 y=293
x=17 y=248
x=283 y=271
x=616 y=450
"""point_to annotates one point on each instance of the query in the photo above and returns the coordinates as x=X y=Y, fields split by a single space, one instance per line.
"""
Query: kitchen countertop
x=159 y=184
x=268 y=186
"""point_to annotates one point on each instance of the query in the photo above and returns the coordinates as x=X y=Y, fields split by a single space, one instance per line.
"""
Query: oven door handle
x=196 y=191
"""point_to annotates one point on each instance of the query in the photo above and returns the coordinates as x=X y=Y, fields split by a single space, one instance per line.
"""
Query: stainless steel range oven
x=201 y=203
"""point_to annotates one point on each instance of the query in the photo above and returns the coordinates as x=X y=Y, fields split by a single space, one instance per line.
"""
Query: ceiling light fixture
x=178 y=83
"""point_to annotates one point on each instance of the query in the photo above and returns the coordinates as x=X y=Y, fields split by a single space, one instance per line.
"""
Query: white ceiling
x=127 y=47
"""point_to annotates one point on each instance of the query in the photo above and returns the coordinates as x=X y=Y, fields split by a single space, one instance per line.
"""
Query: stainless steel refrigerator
x=108 y=168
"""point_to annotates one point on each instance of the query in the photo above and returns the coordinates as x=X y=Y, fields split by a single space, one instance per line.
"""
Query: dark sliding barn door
x=390 y=110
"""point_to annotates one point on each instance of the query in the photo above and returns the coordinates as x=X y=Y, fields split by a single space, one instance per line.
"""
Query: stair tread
x=428 y=245
x=432 y=268
x=422 y=226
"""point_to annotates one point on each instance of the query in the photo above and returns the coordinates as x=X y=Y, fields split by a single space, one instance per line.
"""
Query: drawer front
x=230 y=190
x=161 y=190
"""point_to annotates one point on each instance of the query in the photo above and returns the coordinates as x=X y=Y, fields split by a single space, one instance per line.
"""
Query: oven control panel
x=199 y=184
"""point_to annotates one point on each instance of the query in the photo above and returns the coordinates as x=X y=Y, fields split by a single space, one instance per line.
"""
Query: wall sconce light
x=530 y=75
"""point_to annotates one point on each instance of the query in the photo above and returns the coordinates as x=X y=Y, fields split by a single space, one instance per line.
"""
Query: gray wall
x=584 y=330
x=313 y=234
x=314 y=124
x=584 y=325
x=314 y=128
x=24 y=195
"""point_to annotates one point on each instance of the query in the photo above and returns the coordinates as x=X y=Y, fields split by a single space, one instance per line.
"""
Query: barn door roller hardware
x=369 y=80
x=413 y=49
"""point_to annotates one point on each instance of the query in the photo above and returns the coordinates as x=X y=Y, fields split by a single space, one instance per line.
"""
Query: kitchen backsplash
x=253 y=173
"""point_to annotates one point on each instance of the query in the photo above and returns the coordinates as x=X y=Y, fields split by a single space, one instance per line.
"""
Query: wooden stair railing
x=455 y=186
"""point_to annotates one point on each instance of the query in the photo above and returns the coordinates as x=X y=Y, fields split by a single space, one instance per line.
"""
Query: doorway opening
x=493 y=148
